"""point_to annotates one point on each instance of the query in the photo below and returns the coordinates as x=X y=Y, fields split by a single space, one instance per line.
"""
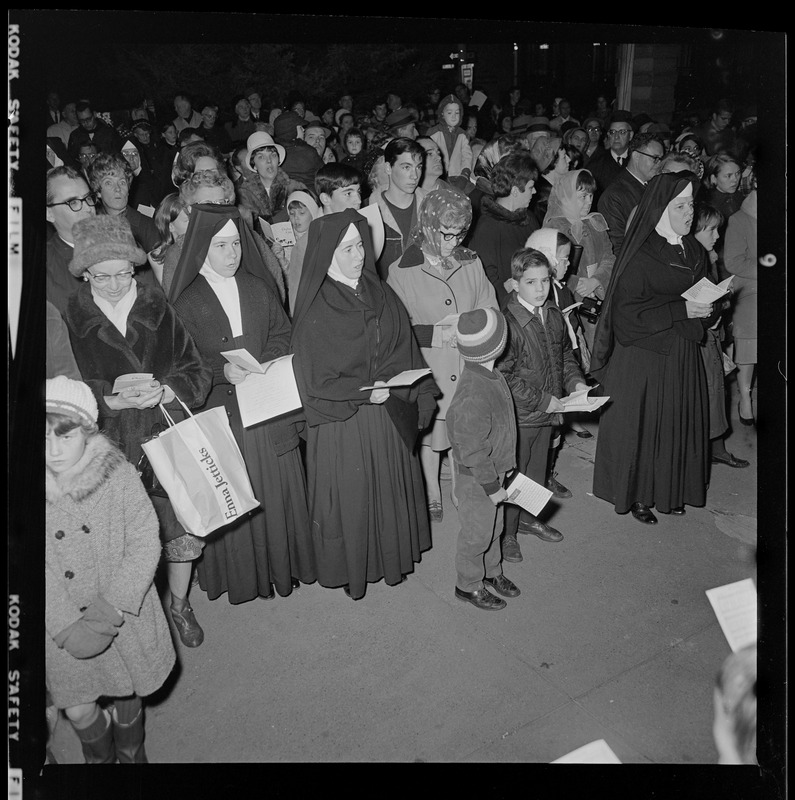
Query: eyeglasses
x=591 y=128
x=76 y=203
x=614 y=132
x=101 y=280
x=655 y=159
x=451 y=237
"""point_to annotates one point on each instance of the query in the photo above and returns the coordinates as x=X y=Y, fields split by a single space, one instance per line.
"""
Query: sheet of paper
x=265 y=227
x=283 y=233
x=570 y=308
x=450 y=319
x=598 y=752
x=270 y=394
x=579 y=401
x=148 y=210
x=242 y=358
x=734 y=605
x=705 y=291
x=528 y=494
x=477 y=98
x=403 y=378
x=130 y=380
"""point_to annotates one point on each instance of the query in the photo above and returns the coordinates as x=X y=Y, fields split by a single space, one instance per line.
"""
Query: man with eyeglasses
x=606 y=166
x=92 y=129
x=68 y=200
x=646 y=151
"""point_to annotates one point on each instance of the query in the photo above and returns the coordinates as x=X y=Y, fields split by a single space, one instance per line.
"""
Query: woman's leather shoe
x=481 y=598
x=731 y=461
x=503 y=586
x=679 y=510
x=642 y=513
x=745 y=420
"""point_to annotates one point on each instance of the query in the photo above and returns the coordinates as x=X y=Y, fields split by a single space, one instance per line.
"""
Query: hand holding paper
x=401 y=379
x=132 y=380
x=579 y=401
x=528 y=494
x=705 y=291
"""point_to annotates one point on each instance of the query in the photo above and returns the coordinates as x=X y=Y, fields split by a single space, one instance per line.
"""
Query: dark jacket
x=156 y=341
x=499 y=233
x=481 y=426
x=616 y=204
x=538 y=362
x=605 y=169
x=60 y=282
x=301 y=162
x=105 y=138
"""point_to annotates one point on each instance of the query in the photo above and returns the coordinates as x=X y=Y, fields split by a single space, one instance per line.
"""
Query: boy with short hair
x=338 y=186
x=482 y=431
x=452 y=138
x=539 y=367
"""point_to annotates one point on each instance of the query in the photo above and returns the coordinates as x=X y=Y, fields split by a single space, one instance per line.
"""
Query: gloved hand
x=86 y=638
x=100 y=610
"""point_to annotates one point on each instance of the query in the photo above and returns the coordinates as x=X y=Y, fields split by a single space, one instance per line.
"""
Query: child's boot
x=97 y=740
x=129 y=735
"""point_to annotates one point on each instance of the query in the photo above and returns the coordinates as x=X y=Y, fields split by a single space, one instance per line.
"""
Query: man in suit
x=92 y=129
x=64 y=127
x=623 y=194
x=53 y=108
x=606 y=166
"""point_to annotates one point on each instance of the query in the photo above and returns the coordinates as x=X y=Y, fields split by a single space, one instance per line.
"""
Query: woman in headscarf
x=366 y=495
x=224 y=294
x=436 y=278
x=569 y=211
x=302 y=207
x=653 y=448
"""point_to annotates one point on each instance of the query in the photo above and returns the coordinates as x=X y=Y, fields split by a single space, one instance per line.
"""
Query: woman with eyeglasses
x=119 y=326
x=595 y=130
x=222 y=294
x=350 y=332
x=691 y=145
x=437 y=279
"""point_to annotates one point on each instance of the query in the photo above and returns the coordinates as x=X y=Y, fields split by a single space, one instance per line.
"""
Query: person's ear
x=325 y=199
x=48 y=216
x=631 y=134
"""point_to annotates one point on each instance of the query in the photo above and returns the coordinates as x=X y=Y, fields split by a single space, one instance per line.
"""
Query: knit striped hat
x=73 y=399
x=481 y=334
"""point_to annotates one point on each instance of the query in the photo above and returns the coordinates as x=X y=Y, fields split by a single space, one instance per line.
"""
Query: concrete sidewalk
x=612 y=638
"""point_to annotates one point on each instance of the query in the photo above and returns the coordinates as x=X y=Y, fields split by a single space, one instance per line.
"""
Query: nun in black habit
x=366 y=494
x=652 y=449
x=228 y=299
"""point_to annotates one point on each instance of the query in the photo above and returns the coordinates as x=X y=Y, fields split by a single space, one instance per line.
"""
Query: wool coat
x=429 y=297
x=102 y=539
x=156 y=341
x=538 y=362
x=254 y=201
x=740 y=258
x=498 y=234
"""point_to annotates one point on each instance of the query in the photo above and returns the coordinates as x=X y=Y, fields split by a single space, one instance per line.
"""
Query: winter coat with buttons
x=102 y=539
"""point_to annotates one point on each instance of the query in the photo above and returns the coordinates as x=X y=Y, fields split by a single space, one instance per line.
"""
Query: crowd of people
x=518 y=256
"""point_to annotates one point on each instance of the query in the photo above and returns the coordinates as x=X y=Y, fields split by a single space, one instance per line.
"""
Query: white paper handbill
x=132 y=380
x=705 y=291
x=242 y=358
x=405 y=378
x=269 y=393
x=579 y=401
x=598 y=752
x=149 y=211
x=734 y=605
x=283 y=233
x=524 y=492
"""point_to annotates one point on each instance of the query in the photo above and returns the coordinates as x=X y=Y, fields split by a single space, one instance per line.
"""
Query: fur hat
x=285 y=126
x=103 y=238
x=481 y=334
x=73 y=399
x=261 y=139
x=544 y=151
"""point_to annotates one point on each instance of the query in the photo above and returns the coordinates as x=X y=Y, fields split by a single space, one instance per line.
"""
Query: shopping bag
x=200 y=466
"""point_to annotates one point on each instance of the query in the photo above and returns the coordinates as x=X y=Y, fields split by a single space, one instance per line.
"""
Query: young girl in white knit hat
x=107 y=639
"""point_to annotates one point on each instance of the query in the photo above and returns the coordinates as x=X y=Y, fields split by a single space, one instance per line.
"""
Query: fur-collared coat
x=102 y=539
x=156 y=341
x=253 y=201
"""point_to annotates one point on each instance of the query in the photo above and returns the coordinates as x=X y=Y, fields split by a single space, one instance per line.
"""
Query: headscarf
x=426 y=233
x=659 y=191
x=206 y=220
x=563 y=202
x=307 y=200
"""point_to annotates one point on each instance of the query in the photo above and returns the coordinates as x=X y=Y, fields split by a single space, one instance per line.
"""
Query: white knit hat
x=72 y=399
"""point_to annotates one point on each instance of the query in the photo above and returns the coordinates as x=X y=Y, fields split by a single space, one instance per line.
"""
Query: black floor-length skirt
x=273 y=544
x=367 y=501
x=652 y=445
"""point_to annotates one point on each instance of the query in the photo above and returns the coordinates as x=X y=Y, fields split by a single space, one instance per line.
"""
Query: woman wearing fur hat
x=366 y=495
x=220 y=293
x=107 y=636
x=118 y=326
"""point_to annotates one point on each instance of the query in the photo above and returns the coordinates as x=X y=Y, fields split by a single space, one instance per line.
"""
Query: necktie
x=621 y=161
